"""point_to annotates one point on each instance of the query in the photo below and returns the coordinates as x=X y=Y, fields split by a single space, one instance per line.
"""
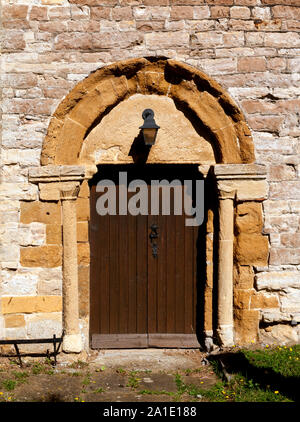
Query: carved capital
x=225 y=191
x=69 y=190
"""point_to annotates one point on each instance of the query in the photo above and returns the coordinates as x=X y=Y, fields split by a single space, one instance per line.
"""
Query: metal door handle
x=153 y=234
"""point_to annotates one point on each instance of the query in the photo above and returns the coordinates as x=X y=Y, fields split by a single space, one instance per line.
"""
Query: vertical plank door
x=143 y=289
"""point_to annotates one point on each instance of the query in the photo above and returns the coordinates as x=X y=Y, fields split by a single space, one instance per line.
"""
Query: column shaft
x=72 y=339
x=225 y=272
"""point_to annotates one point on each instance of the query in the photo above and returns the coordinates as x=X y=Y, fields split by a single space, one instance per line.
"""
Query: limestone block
x=18 y=191
x=246 y=190
x=44 y=325
x=291 y=240
x=281 y=333
x=2 y=326
x=261 y=301
x=9 y=253
x=89 y=108
x=30 y=304
x=288 y=223
x=243 y=277
x=249 y=218
x=50 y=281
x=9 y=211
x=83 y=253
x=285 y=190
x=14 y=174
x=208 y=313
x=49 y=191
x=177 y=139
x=74 y=132
x=83 y=209
x=14 y=233
x=276 y=207
x=251 y=249
x=21 y=234
x=54 y=173
x=43 y=212
x=51 y=2
x=246 y=324
x=53 y=234
x=25 y=158
x=275 y=315
x=239 y=171
x=275 y=280
x=37 y=234
x=295 y=206
x=8 y=232
x=290 y=300
x=82 y=231
x=43 y=256
x=14 y=321
x=284 y=256
x=20 y=282
x=84 y=190
x=15 y=333
x=241 y=298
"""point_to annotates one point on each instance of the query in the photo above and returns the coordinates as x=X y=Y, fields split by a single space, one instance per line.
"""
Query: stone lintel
x=245 y=182
x=239 y=171
x=53 y=173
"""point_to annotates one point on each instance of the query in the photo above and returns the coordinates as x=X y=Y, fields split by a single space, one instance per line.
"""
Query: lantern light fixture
x=149 y=128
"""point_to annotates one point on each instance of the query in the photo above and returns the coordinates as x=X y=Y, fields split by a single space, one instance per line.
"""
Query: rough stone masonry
x=250 y=47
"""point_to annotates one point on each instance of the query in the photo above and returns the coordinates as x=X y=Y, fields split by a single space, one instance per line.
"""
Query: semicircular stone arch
x=202 y=100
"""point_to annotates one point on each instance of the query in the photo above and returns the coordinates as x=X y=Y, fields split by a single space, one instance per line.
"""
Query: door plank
x=179 y=274
x=124 y=291
x=119 y=341
x=142 y=274
x=170 y=265
x=114 y=299
x=131 y=254
x=152 y=280
x=161 y=275
x=189 y=281
x=173 y=340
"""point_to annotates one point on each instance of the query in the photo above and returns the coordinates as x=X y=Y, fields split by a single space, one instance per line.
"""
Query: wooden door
x=143 y=269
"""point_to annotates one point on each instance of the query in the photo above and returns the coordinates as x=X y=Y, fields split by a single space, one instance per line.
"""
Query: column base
x=72 y=343
x=208 y=341
x=225 y=335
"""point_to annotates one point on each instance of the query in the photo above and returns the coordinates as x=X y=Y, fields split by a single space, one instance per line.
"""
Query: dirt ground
x=106 y=376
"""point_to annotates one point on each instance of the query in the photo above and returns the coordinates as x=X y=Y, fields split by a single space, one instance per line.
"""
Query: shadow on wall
x=207 y=300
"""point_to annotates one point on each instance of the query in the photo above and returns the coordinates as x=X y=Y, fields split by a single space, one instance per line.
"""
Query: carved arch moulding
x=197 y=95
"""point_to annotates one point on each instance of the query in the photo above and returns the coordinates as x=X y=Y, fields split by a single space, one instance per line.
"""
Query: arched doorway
x=213 y=135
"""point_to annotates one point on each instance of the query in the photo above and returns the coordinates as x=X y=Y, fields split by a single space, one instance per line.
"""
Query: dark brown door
x=143 y=268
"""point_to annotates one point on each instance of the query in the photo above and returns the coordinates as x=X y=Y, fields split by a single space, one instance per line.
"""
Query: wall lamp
x=149 y=127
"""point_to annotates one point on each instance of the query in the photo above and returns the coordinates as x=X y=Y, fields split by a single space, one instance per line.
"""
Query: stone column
x=63 y=183
x=235 y=182
x=225 y=268
x=72 y=338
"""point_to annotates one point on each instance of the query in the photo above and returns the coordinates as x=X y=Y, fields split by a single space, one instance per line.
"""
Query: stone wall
x=250 y=47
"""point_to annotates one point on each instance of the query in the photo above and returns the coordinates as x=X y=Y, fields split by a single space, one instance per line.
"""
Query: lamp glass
x=149 y=135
